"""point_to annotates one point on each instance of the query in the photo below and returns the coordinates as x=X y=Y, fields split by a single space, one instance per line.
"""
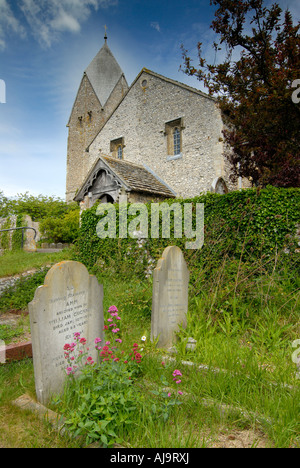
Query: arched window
x=173 y=132
x=176 y=138
x=117 y=147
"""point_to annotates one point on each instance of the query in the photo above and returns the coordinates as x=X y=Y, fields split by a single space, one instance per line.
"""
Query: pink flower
x=179 y=392
x=118 y=339
x=115 y=330
x=82 y=340
x=109 y=319
x=112 y=309
x=176 y=372
x=178 y=381
x=169 y=394
x=69 y=370
x=97 y=340
x=138 y=357
x=76 y=335
x=107 y=342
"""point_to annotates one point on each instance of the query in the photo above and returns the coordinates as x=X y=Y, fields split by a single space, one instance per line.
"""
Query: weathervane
x=105 y=36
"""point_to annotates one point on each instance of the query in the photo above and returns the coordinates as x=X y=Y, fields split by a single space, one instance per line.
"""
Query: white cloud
x=155 y=25
x=46 y=19
x=8 y=23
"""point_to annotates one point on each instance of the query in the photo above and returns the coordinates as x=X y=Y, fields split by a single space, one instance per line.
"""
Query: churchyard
x=178 y=356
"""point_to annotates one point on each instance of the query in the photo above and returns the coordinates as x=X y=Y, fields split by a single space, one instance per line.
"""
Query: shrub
x=61 y=229
x=250 y=223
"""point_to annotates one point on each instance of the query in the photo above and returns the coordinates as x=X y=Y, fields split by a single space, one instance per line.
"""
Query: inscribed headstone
x=71 y=300
x=170 y=296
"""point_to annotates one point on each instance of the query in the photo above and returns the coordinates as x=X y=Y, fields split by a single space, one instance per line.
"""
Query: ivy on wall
x=252 y=223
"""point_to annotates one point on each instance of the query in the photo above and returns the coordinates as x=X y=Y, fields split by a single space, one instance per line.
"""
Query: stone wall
x=141 y=119
x=29 y=241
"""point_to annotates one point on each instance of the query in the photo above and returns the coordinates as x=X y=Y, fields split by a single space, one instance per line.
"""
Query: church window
x=173 y=133
x=117 y=148
x=176 y=137
x=120 y=152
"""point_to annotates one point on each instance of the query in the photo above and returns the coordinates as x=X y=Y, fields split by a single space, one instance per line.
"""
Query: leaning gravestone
x=69 y=301
x=170 y=296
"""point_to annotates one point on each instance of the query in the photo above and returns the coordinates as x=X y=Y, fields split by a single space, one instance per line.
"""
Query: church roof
x=138 y=178
x=132 y=177
x=104 y=72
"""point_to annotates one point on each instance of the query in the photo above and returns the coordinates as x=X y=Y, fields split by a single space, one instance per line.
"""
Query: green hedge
x=251 y=223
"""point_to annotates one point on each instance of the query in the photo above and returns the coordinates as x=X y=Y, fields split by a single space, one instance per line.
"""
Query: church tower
x=102 y=87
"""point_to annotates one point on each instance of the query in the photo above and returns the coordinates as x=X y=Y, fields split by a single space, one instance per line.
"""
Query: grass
x=18 y=261
x=242 y=386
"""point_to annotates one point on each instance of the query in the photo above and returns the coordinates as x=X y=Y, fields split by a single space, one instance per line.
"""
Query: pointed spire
x=104 y=72
x=105 y=35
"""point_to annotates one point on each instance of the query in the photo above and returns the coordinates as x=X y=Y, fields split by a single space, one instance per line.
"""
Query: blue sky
x=45 y=45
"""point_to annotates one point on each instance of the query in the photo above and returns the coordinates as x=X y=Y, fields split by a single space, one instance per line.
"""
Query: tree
x=255 y=91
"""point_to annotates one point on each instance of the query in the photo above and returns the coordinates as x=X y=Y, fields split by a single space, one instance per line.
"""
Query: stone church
x=155 y=139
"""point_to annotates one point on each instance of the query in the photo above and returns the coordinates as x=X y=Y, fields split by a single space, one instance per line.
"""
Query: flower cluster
x=137 y=357
x=176 y=374
x=176 y=378
x=112 y=325
x=76 y=355
x=110 y=351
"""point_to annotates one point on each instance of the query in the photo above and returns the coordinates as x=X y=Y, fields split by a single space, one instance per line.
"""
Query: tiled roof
x=138 y=178
x=131 y=176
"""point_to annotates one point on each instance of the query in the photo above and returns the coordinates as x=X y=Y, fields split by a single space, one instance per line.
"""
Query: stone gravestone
x=70 y=301
x=170 y=296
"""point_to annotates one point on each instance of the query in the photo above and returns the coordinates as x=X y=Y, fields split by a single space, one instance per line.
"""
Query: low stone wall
x=30 y=239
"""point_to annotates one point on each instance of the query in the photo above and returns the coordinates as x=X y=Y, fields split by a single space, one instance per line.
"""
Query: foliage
x=4 y=202
x=22 y=292
x=260 y=222
x=101 y=398
x=61 y=229
x=4 y=236
x=17 y=234
x=37 y=207
x=254 y=92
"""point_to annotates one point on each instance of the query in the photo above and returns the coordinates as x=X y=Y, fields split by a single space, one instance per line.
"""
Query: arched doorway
x=219 y=186
x=106 y=198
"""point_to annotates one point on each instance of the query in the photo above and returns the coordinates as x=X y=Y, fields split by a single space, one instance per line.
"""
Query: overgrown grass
x=244 y=317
